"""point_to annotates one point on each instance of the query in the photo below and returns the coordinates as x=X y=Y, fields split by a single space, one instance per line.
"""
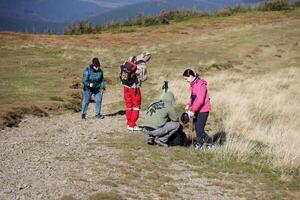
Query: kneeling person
x=161 y=120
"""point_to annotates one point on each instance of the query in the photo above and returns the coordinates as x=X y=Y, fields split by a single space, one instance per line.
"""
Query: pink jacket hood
x=199 y=101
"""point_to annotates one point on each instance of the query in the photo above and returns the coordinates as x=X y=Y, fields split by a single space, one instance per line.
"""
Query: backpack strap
x=89 y=71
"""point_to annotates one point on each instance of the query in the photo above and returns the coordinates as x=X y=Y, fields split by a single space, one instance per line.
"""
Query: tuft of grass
x=113 y=195
x=74 y=105
x=56 y=98
x=68 y=197
x=259 y=148
x=274 y=5
x=123 y=30
x=231 y=11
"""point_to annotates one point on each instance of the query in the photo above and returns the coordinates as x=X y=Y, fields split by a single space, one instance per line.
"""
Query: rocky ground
x=64 y=157
x=45 y=158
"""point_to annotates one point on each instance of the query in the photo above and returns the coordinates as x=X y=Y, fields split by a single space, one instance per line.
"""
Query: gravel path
x=62 y=155
x=45 y=158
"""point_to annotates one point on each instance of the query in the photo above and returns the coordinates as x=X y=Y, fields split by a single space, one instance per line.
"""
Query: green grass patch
x=123 y=30
x=155 y=170
x=73 y=105
x=56 y=98
x=29 y=74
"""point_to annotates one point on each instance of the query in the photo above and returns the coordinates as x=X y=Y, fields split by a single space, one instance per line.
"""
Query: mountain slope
x=114 y=3
x=154 y=7
x=30 y=26
x=26 y=15
x=37 y=16
x=50 y=10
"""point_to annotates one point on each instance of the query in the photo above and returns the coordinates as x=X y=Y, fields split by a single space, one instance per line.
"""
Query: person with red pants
x=198 y=107
x=133 y=73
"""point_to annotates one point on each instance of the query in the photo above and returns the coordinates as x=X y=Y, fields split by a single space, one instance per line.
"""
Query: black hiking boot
x=99 y=116
x=150 y=140
x=83 y=116
x=209 y=143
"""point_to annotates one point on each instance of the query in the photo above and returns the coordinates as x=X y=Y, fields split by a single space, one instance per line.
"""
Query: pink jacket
x=200 y=101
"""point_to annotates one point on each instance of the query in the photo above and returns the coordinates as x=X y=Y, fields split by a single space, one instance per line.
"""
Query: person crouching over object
x=161 y=120
x=198 y=107
x=133 y=73
x=93 y=84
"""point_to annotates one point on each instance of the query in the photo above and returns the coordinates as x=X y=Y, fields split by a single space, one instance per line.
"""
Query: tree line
x=165 y=17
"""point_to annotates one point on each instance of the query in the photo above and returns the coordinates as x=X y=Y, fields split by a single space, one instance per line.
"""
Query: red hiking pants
x=133 y=99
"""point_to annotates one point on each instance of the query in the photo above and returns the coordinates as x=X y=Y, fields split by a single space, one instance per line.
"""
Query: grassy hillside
x=251 y=62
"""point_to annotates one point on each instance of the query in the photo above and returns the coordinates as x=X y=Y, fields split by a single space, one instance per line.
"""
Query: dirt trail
x=45 y=158
x=48 y=158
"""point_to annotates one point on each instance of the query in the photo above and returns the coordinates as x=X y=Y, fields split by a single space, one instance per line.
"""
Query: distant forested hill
x=30 y=26
x=26 y=15
x=154 y=7
x=49 y=10
x=38 y=15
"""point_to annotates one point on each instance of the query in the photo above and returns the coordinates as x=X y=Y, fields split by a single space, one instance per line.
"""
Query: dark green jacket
x=92 y=76
x=161 y=111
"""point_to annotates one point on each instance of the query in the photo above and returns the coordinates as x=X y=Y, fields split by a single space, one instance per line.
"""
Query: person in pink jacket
x=198 y=107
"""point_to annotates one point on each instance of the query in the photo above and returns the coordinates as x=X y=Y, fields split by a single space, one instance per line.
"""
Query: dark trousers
x=200 y=122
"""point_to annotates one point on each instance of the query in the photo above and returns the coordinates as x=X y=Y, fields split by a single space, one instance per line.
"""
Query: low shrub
x=274 y=5
x=74 y=105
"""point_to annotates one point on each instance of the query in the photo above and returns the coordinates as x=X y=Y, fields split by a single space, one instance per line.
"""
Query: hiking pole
x=165 y=86
x=192 y=129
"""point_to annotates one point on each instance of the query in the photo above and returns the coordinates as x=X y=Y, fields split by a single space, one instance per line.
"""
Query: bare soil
x=65 y=157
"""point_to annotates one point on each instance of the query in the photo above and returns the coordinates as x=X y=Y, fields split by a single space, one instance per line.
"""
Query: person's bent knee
x=175 y=125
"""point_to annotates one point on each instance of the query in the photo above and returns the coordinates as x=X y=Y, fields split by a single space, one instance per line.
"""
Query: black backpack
x=178 y=139
x=127 y=75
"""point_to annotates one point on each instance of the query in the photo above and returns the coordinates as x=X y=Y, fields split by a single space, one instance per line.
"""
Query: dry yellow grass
x=257 y=98
x=264 y=108
x=257 y=108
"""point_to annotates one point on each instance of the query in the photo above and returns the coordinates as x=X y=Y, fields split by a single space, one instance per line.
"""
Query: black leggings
x=200 y=122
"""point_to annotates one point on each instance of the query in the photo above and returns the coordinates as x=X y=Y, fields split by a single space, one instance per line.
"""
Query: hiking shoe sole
x=210 y=146
x=160 y=143
x=136 y=128
x=198 y=147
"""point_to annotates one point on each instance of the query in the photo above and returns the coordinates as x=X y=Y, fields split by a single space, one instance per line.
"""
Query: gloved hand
x=191 y=114
x=91 y=85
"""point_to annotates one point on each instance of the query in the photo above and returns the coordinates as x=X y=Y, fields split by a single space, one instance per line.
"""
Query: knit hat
x=96 y=62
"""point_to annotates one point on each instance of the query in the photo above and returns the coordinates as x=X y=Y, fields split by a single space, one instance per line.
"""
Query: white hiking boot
x=136 y=128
